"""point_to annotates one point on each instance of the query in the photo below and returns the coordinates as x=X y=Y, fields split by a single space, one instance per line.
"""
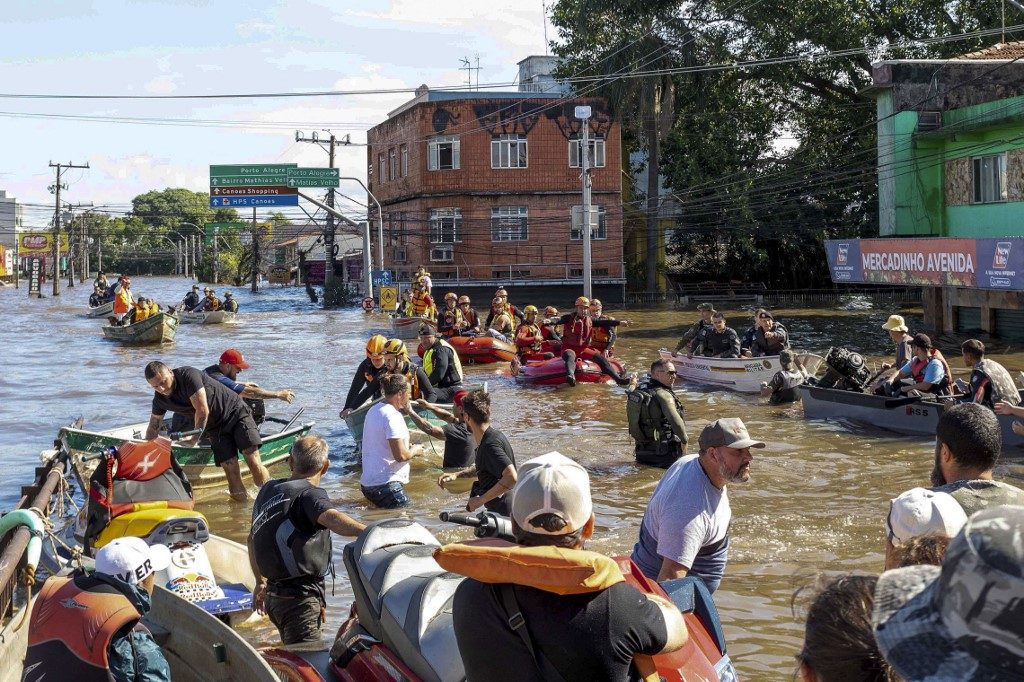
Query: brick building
x=483 y=188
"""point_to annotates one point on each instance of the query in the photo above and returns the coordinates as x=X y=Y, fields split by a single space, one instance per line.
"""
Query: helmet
x=529 y=309
x=463 y=299
x=501 y=292
x=451 y=295
x=595 y=303
x=375 y=346
x=550 y=311
x=395 y=347
x=583 y=300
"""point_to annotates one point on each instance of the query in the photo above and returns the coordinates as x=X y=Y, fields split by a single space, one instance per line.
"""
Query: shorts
x=228 y=441
x=299 y=619
x=388 y=496
x=445 y=395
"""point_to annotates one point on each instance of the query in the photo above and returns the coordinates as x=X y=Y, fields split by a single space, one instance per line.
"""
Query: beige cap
x=920 y=511
x=727 y=433
x=552 y=484
x=895 y=323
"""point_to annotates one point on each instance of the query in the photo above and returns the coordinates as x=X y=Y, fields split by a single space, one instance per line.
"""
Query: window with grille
x=596 y=145
x=598 y=221
x=988 y=179
x=443 y=152
x=445 y=225
x=510 y=224
x=595 y=272
x=508 y=151
x=405 y=160
x=392 y=164
x=382 y=162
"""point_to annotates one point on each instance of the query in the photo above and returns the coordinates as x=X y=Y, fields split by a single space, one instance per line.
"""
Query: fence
x=728 y=294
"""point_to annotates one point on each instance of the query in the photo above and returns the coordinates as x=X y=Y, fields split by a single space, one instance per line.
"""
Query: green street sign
x=312 y=177
x=253 y=169
x=247 y=180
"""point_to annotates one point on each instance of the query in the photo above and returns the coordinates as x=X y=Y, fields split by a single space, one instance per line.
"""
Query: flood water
x=815 y=502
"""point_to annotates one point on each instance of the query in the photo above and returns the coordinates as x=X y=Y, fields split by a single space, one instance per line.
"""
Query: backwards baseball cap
x=131 y=559
x=727 y=433
x=552 y=484
x=921 y=341
x=920 y=511
x=195 y=286
x=458 y=397
x=427 y=330
x=960 y=621
x=234 y=357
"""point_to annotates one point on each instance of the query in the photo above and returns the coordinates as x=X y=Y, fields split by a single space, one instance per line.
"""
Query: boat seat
x=691 y=595
x=385 y=553
x=417 y=622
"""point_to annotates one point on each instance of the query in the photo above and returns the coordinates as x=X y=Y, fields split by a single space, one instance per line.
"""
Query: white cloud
x=162 y=85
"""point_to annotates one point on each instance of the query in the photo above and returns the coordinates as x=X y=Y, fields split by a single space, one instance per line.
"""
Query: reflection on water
x=815 y=501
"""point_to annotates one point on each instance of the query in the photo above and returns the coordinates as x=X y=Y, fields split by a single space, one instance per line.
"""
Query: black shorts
x=228 y=441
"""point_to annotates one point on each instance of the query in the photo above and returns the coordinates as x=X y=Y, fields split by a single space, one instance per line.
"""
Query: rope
x=30 y=581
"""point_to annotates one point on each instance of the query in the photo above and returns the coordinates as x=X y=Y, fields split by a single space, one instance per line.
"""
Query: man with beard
x=685 y=530
x=967 y=444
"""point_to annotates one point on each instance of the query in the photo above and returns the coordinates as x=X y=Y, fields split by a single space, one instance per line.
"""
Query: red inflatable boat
x=552 y=372
x=479 y=350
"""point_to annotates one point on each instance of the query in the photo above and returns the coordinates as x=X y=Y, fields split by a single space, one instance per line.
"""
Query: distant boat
x=160 y=328
x=102 y=309
x=211 y=317
x=409 y=327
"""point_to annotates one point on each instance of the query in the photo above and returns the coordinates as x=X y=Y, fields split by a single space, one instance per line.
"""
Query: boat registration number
x=914 y=411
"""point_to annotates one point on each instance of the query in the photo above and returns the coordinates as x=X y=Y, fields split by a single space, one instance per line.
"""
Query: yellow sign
x=389 y=299
x=37 y=243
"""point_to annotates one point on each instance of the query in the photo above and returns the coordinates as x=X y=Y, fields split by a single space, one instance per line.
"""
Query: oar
x=289 y=424
x=178 y=435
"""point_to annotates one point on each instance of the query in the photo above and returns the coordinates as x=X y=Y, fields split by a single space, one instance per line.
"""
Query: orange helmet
x=450 y=295
x=463 y=299
x=396 y=347
x=595 y=303
x=583 y=300
x=375 y=346
x=550 y=311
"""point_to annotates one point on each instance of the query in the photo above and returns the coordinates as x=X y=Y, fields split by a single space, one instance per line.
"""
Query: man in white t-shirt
x=385 y=447
x=685 y=530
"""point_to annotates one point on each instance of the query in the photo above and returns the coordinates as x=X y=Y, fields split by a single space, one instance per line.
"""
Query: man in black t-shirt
x=495 y=463
x=216 y=411
x=459 y=447
x=591 y=636
x=290 y=544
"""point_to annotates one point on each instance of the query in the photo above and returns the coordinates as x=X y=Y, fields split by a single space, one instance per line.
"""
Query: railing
x=818 y=297
x=510 y=272
x=755 y=294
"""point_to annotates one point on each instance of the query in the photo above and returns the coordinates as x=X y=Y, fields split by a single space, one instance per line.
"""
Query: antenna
x=544 y=6
x=467 y=66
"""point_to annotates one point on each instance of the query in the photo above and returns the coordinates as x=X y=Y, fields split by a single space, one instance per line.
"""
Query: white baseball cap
x=552 y=484
x=131 y=559
x=920 y=511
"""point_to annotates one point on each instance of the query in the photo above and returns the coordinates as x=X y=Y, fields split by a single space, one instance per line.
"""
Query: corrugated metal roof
x=1014 y=50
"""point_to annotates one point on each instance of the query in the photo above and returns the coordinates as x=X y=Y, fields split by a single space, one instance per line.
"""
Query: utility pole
x=583 y=113
x=17 y=260
x=329 y=226
x=56 y=188
x=255 y=255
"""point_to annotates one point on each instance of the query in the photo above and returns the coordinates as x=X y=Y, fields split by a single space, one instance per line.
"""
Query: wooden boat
x=355 y=420
x=409 y=327
x=102 y=310
x=160 y=328
x=197 y=463
x=744 y=375
x=212 y=317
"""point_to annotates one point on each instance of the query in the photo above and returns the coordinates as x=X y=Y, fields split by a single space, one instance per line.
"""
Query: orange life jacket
x=917 y=367
x=122 y=301
x=423 y=305
x=72 y=628
x=451 y=320
x=526 y=337
x=601 y=337
x=412 y=376
x=577 y=333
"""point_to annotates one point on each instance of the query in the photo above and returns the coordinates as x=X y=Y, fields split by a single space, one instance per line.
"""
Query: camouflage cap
x=965 y=620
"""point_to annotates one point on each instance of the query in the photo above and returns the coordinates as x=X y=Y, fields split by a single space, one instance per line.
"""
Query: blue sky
x=201 y=47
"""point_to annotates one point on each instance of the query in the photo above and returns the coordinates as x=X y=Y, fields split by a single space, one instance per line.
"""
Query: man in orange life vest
x=604 y=336
x=577 y=330
x=470 y=320
x=108 y=605
x=928 y=369
x=449 y=318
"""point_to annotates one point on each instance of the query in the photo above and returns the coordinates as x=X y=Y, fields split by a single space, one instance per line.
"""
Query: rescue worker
x=655 y=417
x=449 y=320
x=396 y=359
x=782 y=387
x=578 y=329
x=990 y=382
x=470 y=320
x=154 y=308
x=706 y=311
x=123 y=300
x=423 y=278
x=211 y=302
x=603 y=339
x=87 y=626
x=422 y=303
x=290 y=544
x=719 y=341
x=441 y=364
x=747 y=341
x=141 y=310
x=928 y=369
x=230 y=304
x=226 y=371
x=500 y=303
x=405 y=305
x=365 y=383
x=551 y=332
x=501 y=325
x=770 y=338
x=191 y=299
x=529 y=339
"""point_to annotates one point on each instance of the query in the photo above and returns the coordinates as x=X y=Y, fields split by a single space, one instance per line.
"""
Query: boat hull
x=552 y=372
x=744 y=375
x=102 y=310
x=478 y=350
x=407 y=328
x=197 y=463
x=212 y=317
x=154 y=330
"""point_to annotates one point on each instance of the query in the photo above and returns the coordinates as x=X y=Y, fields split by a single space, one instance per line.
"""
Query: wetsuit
x=449 y=321
x=576 y=336
x=365 y=384
x=443 y=369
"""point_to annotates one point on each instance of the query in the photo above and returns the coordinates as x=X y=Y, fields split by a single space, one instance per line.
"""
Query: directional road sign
x=247 y=180
x=381 y=278
x=252 y=191
x=254 y=202
x=252 y=170
x=312 y=177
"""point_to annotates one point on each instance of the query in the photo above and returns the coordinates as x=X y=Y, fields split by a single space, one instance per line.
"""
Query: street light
x=583 y=113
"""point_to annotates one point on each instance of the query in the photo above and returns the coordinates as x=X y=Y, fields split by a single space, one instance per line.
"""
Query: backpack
x=642 y=425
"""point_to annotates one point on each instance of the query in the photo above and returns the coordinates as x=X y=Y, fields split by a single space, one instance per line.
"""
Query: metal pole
x=380 y=226
x=255 y=255
x=216 y=255
x=329 y=234
x=17 y=260
x=367 y=260
x=583 y=113
x=83 y=250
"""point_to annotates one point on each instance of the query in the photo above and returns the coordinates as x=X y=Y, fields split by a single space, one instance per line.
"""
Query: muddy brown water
x=815 y=502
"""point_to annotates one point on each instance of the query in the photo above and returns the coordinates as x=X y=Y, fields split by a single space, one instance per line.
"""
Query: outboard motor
x=846 y=370
x=257 y=409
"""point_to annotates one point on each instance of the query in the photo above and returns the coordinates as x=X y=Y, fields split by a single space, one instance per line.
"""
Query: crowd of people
x=129 y=309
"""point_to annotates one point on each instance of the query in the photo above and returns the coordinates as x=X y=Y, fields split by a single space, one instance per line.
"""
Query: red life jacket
x=577 y=333
x=601 y=337
x=72 y=628
x=526 y=337
x=917 y=367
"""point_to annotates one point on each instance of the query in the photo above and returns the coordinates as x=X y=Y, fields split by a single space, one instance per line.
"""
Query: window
x=383 y=168
x=594 y=272
x=509 y=224
x=444 y=253
x=397 y=229
x=600 y=231
x=392 y=164
x=988 y=180
x=445 y=225
x=443 y=152
x=508 y=151
x=405 y=160
x=596 y=152
x=510 y=274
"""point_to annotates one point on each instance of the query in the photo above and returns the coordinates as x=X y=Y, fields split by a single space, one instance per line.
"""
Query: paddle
x=289 y=424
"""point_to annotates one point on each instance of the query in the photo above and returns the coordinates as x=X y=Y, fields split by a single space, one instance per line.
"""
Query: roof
x=999 y=51
x=454 y=95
